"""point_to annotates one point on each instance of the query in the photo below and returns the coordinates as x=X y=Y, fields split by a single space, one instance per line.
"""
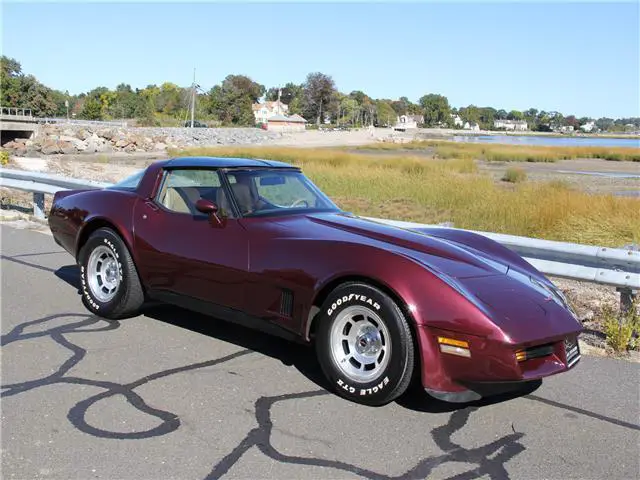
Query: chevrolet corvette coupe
x=256 y=242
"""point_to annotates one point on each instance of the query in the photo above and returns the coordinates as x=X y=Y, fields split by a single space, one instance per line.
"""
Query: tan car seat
x=182 y=199
x=242 y=195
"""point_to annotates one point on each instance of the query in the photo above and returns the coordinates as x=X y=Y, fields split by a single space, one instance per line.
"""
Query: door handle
x=151 y=205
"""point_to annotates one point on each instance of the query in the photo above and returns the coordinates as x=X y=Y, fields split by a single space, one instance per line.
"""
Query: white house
x=588 y=127
x=473 y=126
x=457 y=121
x=264 y=111
x=516 y=125
x=404 y=122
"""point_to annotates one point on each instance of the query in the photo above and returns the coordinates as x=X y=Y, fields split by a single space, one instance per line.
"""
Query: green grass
x=510 y=153
x=437 y=190
x=514 y=175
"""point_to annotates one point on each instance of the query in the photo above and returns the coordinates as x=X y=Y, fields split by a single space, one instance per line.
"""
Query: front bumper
x=492 y=366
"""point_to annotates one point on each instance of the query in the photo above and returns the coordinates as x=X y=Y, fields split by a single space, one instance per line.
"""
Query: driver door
x=180 y=251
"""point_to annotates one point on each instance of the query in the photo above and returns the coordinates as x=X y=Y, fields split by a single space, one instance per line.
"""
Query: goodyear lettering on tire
x=351 y=298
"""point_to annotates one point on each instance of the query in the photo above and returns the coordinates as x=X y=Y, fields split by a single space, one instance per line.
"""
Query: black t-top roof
x=219 y=162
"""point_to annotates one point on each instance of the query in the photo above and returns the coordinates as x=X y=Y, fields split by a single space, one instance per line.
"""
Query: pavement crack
x=169 y=421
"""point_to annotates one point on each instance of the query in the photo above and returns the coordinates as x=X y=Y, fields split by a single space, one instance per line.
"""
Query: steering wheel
x=300 y=201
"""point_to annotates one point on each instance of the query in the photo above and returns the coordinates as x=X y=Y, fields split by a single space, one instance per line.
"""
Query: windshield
x=274 y=192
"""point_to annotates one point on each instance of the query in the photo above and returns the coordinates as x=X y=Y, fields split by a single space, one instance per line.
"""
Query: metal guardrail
x=41 y=183
x=608 y=266
x=74 y=121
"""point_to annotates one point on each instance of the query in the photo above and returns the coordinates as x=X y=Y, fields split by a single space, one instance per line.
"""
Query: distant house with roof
x=405 y=122
x=284 y=123
x=589 y=126
x=264 y=111
x=515 y=125
x=473 y=126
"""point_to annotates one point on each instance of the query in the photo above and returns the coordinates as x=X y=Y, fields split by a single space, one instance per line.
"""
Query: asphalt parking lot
x=177 y=395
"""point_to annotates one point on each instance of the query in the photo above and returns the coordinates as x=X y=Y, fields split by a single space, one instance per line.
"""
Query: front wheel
x=364 y=344
x=110 y=284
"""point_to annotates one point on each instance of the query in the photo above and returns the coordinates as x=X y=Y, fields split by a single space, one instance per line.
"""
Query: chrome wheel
x=360 y=344
x=103 y=275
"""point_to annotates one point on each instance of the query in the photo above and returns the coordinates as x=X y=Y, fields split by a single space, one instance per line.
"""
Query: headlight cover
x=556 y=295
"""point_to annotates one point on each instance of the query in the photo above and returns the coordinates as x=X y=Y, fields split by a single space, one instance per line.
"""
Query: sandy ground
x=569 y=171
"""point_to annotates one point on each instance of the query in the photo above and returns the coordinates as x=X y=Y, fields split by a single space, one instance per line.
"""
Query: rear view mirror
x=272 y=180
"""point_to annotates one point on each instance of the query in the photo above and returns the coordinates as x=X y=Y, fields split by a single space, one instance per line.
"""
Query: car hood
x=521 y=307
x=442 y=255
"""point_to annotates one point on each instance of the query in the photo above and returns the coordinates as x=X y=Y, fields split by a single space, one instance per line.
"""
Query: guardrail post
x=38 y=205
x=627 y=298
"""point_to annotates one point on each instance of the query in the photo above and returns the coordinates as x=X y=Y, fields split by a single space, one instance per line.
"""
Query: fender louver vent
x=286 y=303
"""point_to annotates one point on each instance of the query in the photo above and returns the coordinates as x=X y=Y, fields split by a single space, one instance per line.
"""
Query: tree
x=501 y=114
x=515 y=115
x=318 y=92
x=24 y=91
x=92 y=109
x=470 y=114
x=10 y=67
x=487 y=117
x=291 y=95
x=385 y=114
x=231 y=101
x=349 y=109
x=436 y=109
x=604 y=123
x=572 y=121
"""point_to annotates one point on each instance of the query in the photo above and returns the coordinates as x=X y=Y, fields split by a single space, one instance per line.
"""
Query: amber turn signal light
x=454 y=347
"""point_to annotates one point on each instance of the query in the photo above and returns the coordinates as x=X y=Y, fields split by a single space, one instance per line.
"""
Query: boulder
x=122 y=143
x=10 y=144
x=83 y=134
x=130 y=148
x=104 y=148
x=160 y=146
x=67 y=147
x=50 y=147
x=108 y=134
x=20 y=151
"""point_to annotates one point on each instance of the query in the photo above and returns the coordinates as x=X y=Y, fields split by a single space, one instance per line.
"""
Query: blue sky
x=580 y=58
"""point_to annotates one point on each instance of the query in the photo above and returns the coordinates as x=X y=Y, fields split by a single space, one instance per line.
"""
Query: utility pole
x=193 y=98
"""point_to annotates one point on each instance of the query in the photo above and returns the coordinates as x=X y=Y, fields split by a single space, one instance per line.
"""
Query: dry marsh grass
x=510 y=153
x=429 y=191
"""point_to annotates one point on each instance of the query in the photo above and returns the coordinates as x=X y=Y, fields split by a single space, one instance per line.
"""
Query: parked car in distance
x=196 y=124
x=256 y=242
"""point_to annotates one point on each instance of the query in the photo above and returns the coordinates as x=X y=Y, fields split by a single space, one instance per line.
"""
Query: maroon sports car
x=254 y=241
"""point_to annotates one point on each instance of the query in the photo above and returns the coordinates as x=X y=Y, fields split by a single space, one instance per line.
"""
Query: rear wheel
x=110 y=284
x=364 y=344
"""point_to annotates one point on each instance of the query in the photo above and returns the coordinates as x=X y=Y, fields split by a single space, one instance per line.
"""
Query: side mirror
x=210 y=208
x=206 y=206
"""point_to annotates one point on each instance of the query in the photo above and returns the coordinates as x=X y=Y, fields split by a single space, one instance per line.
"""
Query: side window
x=181 y=189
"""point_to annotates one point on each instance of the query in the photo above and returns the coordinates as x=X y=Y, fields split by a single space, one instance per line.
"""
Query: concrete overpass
x=16 y=123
